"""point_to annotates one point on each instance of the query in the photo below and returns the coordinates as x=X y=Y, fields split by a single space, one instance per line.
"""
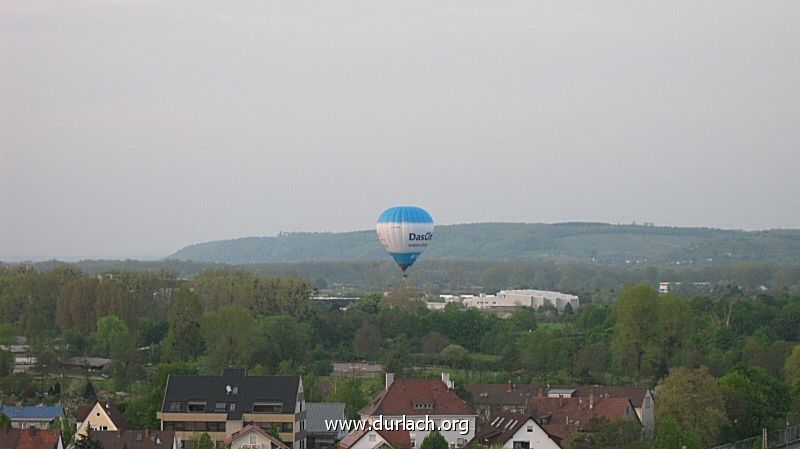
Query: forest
x=724 y=361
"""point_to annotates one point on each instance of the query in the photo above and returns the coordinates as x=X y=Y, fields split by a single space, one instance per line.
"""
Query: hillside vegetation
x=566 y=242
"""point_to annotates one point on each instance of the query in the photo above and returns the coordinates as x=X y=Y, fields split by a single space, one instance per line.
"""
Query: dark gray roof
x=318 y=412
x=237 y=391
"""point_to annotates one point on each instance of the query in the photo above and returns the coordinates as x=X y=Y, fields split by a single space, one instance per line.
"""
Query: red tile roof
x=135 y=439
x=37 y=438
x=405 y=396
x=562 y=416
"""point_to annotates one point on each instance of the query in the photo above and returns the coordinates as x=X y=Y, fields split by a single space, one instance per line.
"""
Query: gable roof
x=397 y=439
x=28 y=413
x=29 y=438
x=404 y=395
x=257 y=429
x=135 y=439
x=110 y=409
x=233 y=387
x=562 y=416
x=503 y=427
x=520 y=394
x=318 y=412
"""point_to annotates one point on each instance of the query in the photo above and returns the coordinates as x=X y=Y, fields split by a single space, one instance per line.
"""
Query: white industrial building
x=508 y=299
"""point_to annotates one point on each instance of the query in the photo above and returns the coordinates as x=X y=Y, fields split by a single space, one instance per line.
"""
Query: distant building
x=88 y=363
x=222 y=405
x=28 y=417
x=538 y=298
x=317 y=434
x=32 y=438
x=515 y=431
x=102 y=416
x=357 y=369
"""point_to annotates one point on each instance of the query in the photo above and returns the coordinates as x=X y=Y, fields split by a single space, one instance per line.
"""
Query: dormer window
x=197 y=407
x=268 y=407
x=219 y=407
x=173 y=407
x=423 y=405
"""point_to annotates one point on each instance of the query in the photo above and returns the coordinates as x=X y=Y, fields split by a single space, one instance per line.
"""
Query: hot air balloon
x=405 y=231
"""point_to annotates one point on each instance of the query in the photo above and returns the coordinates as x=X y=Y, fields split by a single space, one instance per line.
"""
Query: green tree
x=670 y=435
x=184 y=340
x=434 y=440
x=752 y=398
x=691 y=398
x=113 y=338
x=636 y=336
x=204 y=441
x=367 y=341
x=85 y=441
x=791 y=368
x=229 y=335
x=349 y=391
x=6 y=363
x=5 y=421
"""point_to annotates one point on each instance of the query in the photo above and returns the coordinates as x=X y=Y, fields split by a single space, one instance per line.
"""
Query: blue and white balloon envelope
x=405 y=231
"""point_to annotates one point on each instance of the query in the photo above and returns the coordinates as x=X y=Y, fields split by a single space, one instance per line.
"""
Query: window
x=173 y=407
x=413 y=443
x=219 y=407
x=423 y=405
x=267 y=407
x=530 y=429
x=460 y=441
x=252 y=439
x=196 y=407
x=522 y=445
x=233 y=406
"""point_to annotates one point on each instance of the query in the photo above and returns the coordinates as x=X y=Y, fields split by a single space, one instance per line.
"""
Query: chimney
x=446 y=380
x=591 y=400
x=119 y=433
x=146 y=432
x=560 y=401
x=509 y=387
x=389 y=380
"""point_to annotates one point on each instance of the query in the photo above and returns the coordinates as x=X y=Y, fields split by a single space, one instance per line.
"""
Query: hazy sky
x=133 y=128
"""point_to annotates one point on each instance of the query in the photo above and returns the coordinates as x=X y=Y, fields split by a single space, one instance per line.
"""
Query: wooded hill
x=601 y=243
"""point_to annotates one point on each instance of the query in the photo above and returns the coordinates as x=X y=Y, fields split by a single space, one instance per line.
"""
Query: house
x=136 y=439
x=515 y=431
x=561 y=416
x=31 y=438
x=88 y=363
x=318 y=434
x=424 y=399
x=102 y=416
x=39 y=417
x=489 y=399
x=373 y=439
x=253 y=437
x=222 y=405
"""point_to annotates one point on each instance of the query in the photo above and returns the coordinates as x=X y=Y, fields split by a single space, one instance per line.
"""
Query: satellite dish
x=228 y=389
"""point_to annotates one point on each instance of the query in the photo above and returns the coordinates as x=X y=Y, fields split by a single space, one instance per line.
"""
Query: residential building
x=28 y=417
x=88 y=363
x=373 y=439
x=317 y=434
x=424 y=399
x=539 y=298
x=222 y=405
x=31 y=438
x=102 y=416
x=515 y=431
x=137 y=439
x=253 y=437
x=490 y=399
x=562 y=416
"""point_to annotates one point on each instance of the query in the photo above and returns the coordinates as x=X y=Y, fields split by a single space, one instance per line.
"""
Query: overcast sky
x=133 y=128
